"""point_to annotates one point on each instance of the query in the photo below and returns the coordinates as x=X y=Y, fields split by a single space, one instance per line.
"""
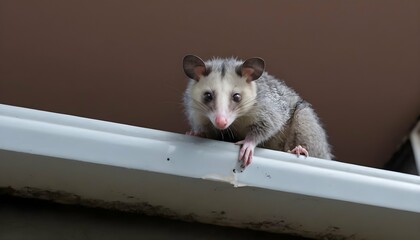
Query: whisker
x=248 y=102
x=199 y=106
x=234 y=129
x=239 y=109
x=221 y=133
x=231 y=133
x=227 y=132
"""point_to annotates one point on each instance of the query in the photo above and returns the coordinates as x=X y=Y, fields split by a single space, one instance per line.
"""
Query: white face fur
x=221 y=99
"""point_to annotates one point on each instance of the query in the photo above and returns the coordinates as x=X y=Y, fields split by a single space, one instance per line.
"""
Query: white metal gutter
x=415 y=144
x=83 y=161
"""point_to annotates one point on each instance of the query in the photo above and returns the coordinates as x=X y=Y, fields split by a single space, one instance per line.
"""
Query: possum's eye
x=208 y=97
x=236 y=97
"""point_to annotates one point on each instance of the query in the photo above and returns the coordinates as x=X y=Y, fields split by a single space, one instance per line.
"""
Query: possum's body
x=268 y=114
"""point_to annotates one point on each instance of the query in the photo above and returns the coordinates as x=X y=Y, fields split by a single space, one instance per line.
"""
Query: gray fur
x=280 y=119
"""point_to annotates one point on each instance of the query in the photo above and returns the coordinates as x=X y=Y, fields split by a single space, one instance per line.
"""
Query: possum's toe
x=299 y=150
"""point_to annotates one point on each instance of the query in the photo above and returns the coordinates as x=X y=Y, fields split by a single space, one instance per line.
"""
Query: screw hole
x=168 y=159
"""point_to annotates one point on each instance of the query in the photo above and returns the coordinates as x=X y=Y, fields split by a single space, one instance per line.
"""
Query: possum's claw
x=246 y=152
x=298 y=150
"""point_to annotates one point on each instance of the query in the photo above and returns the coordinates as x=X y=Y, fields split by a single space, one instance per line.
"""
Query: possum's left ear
x=194 y=67
x=252 y=69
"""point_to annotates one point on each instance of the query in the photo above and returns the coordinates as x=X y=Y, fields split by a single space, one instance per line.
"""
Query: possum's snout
x=221 y=122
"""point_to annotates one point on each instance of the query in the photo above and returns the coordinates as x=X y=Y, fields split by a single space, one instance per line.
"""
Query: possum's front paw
x=246 y=152
x=299 y=150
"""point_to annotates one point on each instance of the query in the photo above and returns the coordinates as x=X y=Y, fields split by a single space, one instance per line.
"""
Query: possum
x=237 y=101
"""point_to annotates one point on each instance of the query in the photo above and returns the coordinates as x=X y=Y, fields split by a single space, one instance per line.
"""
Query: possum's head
x=221 y=90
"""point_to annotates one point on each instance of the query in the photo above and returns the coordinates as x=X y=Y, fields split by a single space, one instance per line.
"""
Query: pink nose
x=221 y=122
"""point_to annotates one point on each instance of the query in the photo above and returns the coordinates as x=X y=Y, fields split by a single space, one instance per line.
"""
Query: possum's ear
x=194 y=67
x=252 y=69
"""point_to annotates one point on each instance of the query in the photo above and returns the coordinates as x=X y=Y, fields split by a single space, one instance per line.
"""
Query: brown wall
x=357 y=62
